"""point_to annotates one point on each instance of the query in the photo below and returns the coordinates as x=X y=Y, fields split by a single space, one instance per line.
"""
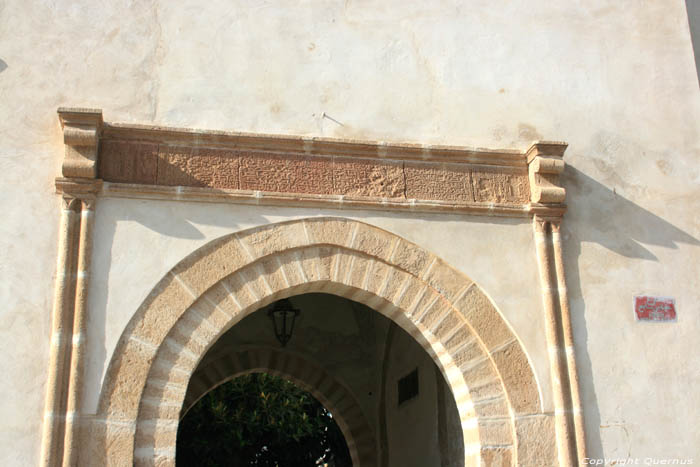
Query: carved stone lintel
x=545 y=163
x=81 y=132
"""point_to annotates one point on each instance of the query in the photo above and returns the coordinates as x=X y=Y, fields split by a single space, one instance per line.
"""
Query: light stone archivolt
x=219 y=284
x=330 y=392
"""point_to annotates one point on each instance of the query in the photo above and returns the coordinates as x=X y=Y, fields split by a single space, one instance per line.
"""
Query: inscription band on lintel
x=141 y=161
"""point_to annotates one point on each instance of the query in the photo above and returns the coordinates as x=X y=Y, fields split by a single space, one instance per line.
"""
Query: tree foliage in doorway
x=260 y=420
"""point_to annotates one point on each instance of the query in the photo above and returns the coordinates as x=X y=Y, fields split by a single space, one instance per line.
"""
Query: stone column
x=61 y=322
x=555 y=347
x=77 y=362
x=569 y=343
x=78 y=187
x=547 y=196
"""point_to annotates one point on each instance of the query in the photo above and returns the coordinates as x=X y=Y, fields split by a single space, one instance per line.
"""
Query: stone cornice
x=81 y=130
x=308 y=145
x=141 y=161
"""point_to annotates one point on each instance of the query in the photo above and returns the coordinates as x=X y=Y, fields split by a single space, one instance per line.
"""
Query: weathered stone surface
x=162 y=309
x=128 y=162
x=207 y=266
x=269 y=239
x=496 y=431
x=198 y=167
x=518 y=379
x=112 y=444
x=286 y=173
x=439 y=311
x=540 y=448
x=368 y=177
x=129 y=379
x=467 y=354
x=373 y=241
x=446 y=280
x=478 y=374
x=432 y=181
x=498 y=457
x=332 y=231
x=484 y=318
x=492 y=186
x=410 y=258
x=280 y=171
x=492 y=408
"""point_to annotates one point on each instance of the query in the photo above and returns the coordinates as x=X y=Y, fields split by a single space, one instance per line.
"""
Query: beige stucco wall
x=616 y=81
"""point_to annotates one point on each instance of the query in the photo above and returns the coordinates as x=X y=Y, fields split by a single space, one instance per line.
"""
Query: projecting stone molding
x=488 y=371
x=150 y=161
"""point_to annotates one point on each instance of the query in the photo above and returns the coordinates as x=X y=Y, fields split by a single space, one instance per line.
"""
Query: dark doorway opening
x=260 y=420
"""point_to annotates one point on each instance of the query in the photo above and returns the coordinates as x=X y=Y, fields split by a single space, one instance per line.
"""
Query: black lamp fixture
x=283 y=315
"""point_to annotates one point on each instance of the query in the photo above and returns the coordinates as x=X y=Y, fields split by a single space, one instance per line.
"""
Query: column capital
x=545 y=160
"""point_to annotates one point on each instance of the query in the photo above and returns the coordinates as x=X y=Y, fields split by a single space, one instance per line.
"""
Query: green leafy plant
x=260 y=420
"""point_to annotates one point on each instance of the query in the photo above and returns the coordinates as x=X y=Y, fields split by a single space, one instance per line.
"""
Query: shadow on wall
x=602 y=216
x=3 y=65
x=167 y=220
x=693 y=9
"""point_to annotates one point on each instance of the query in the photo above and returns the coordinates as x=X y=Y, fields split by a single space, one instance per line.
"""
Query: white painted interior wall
x=617 y=82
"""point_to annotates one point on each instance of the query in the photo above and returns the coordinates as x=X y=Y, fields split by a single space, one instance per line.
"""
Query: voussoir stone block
x=207 y=266
x=446 y=280
x=373 y=241
x=330 y=231
x=167 y=372
x=411 y=258
x=498 y=457
x=221 y=298
x=462 y=336
x=114 y=445
x=468 y=353
x=435 y=313
x=376 y=277
x=486 y=390
x=495 y=431
x=309 y=262
x=156 y=409
x=518 y=379
x=236 y=285
x=483 y=317
x=130 y=373
x=355 y=270
x=162 y=308
x=497 y=407
x=540 y=448
x=449 y=326
x=268 y=239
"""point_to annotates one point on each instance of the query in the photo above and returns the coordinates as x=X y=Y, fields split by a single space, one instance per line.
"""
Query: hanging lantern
x=283 y=315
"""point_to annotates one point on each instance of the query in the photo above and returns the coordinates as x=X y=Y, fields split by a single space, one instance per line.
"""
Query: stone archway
x=219 y=284
x=324 y=387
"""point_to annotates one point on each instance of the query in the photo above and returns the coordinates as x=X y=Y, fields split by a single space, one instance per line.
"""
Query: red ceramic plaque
x=654 y=308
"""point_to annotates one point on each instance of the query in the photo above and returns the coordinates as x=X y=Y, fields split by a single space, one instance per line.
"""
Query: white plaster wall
x=412 y=427
x=138 y=241
x=615 y=80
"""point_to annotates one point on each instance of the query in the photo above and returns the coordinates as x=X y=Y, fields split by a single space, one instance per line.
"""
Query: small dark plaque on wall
x=408 y=386
x=648 y=308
